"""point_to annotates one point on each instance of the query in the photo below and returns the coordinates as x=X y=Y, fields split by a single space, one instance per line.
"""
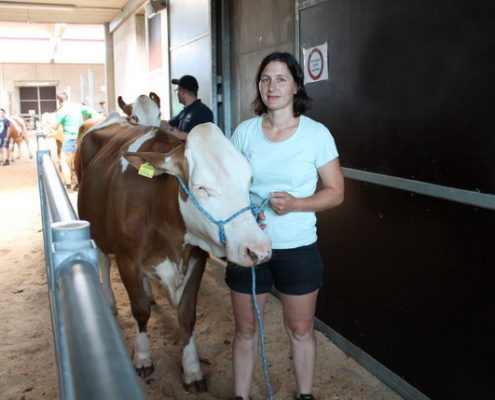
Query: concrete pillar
x=109 y=70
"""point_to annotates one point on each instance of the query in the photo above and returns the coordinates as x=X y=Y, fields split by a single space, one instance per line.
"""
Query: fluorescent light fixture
x=39 y=6
x=52 y=6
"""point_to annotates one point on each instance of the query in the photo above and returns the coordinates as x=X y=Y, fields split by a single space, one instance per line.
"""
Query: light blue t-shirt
x=287 y=166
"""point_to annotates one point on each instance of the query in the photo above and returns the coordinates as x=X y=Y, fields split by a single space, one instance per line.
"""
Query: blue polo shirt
x=4 y=124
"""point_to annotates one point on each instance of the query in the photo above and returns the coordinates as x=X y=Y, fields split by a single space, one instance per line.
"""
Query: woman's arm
x=331 y=194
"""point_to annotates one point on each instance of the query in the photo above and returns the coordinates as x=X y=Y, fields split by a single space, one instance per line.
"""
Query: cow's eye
x=201 y=190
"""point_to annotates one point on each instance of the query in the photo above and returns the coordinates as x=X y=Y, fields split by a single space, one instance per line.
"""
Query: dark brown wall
x=409 y=277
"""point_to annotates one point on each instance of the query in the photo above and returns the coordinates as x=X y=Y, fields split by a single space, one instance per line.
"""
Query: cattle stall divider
x=92 y=360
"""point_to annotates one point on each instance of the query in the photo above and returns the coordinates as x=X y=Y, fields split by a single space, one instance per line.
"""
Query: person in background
x=102 y=109
x=289 y=153
x=194 y=112
x=70 y=117
x=4 y=138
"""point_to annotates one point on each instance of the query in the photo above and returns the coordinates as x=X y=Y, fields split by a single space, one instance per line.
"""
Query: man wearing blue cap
x=194 y=112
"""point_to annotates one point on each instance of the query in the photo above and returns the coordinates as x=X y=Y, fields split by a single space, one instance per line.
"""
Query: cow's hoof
x=196 y=386
x=145 y=371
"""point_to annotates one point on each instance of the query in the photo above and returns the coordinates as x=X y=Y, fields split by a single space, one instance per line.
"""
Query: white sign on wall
x=316 y=63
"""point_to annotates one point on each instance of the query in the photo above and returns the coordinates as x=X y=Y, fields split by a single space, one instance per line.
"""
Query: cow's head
x=218 y=176
x=144 y=111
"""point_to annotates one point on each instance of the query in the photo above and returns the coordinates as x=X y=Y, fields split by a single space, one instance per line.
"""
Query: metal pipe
x=45 y=218
x=91 y=88
x=58 y=202
x=95 y=356
x=83 y=89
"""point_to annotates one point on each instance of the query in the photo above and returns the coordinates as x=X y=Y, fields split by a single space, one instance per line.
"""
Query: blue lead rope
x=221 y=231
x=266 y=377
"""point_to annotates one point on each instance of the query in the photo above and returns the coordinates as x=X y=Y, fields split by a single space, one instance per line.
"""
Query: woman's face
x=277 y=86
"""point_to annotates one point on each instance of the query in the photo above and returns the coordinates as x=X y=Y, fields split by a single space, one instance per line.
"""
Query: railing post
x=71 y=239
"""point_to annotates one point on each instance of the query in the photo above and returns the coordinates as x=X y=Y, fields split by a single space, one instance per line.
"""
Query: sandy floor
x=26 y=351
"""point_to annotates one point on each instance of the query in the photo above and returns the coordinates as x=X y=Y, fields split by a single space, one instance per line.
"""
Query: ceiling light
x=39 y=6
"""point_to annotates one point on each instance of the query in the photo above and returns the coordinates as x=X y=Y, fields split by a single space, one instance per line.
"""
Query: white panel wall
x=259 y=27
x=132 y=75
x=129 y=57
x=190 y=46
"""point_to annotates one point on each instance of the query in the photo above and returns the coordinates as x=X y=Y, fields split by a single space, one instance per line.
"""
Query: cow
x=142 y=111
x=18 y=133
x=154 y=229
x=52 y=130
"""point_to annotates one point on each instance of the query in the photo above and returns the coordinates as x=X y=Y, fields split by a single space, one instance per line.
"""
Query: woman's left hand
x=282 y=202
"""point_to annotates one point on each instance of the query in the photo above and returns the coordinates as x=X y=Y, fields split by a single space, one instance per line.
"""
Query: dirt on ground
x=26 y=343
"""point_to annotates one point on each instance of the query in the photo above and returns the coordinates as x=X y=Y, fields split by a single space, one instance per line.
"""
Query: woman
x=288 y=153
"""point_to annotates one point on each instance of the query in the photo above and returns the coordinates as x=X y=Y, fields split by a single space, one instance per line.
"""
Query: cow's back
x=85 y=127
x=121 y=205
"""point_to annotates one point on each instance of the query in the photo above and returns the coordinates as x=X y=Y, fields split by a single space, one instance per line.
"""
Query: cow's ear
x=171 y=163
x=127 y=108
x=155 y=98
x=121 y=102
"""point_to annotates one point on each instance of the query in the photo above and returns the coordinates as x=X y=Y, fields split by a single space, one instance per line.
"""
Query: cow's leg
x=105 y=264
x=148 y=290
x=141 y=310
x=192 y=374
x=59 y=144
x=10 y=151
x=26 y=139
x=65 y=168
x=19 y=150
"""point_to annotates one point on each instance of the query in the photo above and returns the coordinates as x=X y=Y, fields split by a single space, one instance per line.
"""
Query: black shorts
x=295 y=271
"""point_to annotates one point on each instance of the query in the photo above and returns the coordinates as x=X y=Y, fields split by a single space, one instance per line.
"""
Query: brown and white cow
x=52 y=130
x=18 y=133
x=153 y=228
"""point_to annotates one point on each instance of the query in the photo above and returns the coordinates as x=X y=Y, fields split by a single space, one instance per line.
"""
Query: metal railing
x=92 y=359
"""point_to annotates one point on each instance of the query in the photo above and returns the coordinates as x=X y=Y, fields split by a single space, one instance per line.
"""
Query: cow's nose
x=257 y=255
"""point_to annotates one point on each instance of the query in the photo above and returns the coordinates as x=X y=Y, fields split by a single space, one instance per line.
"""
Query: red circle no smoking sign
x=315 y=64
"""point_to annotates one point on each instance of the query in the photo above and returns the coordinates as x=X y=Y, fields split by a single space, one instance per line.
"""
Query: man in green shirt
x=70 y=117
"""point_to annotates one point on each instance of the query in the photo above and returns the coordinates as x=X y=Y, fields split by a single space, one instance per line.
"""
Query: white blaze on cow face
x=145 y=112
x=219 y=178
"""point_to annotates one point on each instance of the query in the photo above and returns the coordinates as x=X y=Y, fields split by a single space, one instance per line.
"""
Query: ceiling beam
x=128 y=10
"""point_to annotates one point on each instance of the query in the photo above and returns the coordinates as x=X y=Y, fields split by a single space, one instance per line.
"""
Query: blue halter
x=255 y=209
